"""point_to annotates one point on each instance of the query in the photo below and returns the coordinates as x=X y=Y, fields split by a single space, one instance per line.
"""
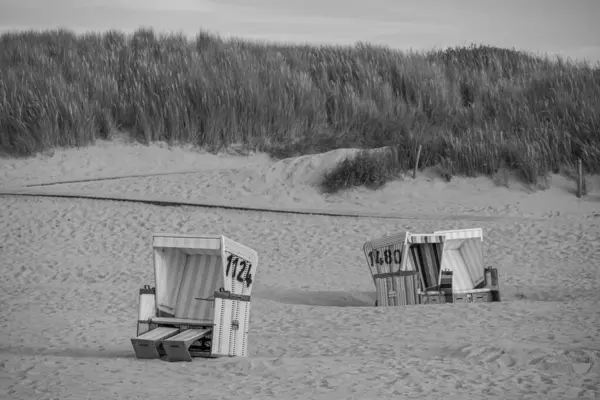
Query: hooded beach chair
x=446 y=266
x=451 y=268
x=463 y=256
x=200 y=305
x=424 y=255
x=395 y=285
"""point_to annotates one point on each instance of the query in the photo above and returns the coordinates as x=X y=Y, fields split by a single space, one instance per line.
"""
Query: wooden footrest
x=483 y=295
x=149 y=345
x=177 y=347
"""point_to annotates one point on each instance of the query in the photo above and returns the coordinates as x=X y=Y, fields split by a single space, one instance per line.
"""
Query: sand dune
x=72 y=269
x=257 y=180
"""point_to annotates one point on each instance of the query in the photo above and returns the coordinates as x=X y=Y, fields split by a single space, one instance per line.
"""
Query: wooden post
x=394 y=155
x=579 y=178
x=417 y=162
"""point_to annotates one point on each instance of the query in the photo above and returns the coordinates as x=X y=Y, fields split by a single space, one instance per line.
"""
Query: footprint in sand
x=506 y=361
x=581 y=368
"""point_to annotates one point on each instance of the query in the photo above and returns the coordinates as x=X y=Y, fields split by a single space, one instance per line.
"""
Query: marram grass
x=473 y=110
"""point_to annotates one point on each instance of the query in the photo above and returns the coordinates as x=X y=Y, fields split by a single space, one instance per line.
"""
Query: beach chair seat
x=177 y=347
x=149 y=344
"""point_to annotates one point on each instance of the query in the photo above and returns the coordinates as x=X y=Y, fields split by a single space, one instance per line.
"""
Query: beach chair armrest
x=181 y=321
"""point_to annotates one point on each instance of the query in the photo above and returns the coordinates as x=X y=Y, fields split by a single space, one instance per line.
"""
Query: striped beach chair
x=203 y=288
x=395 y=284
x=424 y=255
x=446 y=266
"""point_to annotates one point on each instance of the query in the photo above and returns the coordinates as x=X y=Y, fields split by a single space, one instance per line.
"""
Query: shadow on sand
x=121 y=353
x=316 y=298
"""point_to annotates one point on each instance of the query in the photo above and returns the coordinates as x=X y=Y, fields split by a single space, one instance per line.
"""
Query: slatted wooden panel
x=239 y=272
x=395 y=283
x=398 y=290
x=200 y=279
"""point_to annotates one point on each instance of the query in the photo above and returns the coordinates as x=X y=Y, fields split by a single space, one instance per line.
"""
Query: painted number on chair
x=379 y=257
x=236 y=267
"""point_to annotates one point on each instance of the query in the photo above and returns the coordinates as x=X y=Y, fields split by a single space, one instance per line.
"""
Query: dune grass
x=473 y=110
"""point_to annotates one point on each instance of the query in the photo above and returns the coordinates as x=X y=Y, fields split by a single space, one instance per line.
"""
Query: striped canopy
x=192 y=245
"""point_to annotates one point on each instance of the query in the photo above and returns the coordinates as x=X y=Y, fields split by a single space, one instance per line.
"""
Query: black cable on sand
x=109 y=178
x=174 y=201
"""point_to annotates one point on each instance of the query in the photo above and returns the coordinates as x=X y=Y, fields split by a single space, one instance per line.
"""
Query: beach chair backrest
x=201 y=277
x=238 y=275
x=395 y=283
x=384 y=255
x=187 y=271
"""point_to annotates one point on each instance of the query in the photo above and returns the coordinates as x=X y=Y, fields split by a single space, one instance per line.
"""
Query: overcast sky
x=567 y=27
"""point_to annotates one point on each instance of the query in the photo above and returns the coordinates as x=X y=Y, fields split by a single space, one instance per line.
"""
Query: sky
x=569 y=28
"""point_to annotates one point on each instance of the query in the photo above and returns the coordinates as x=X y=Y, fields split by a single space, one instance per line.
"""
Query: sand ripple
x=72 y=269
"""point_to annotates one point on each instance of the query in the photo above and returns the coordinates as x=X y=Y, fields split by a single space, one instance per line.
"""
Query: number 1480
x=386 y=257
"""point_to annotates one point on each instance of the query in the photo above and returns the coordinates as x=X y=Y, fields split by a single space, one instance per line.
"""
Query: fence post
x=417 y=162
x=579 y=178
x=394 y=155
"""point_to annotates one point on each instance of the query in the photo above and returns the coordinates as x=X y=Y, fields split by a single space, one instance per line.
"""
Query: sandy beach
x=73 y=267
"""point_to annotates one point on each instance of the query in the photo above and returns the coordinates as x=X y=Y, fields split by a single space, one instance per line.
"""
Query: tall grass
x=473 y=110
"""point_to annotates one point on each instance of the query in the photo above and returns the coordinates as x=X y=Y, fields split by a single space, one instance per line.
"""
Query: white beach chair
x=463 y=256
x=202 y=290
x=450 y=267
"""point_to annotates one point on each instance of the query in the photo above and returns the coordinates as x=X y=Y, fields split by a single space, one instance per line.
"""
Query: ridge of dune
x=256 y=179
x=116 y=157
x=307 y=170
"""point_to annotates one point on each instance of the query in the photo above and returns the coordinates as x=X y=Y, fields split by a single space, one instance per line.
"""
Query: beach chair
x=424 y=254
x=462 y=254
x=395 y=285
x=200 y=305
